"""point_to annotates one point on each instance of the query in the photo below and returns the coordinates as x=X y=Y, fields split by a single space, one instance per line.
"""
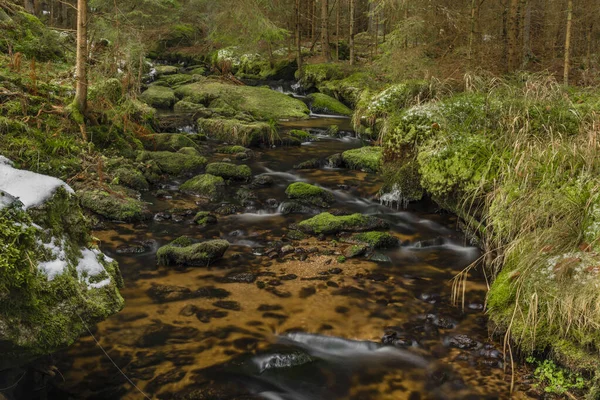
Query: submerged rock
x=313 y=163
x=328 y=224
x=183 y=251
x=56 y=284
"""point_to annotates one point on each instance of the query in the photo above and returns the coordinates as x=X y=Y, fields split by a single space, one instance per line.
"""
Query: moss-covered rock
x=159 y=96
x=110 y=90
x=232 y=149
x=237 y=132
x=261 y=103
x=366 y=158
x=172 y=141
x=375 y=240
x=312 y=75
x=177 y=80
x=184 y=106
x=132 y=178
x=172 y=163
x=349 y=89
x=403 y=180
x=309 y=194
x=300 y=134
x=204 y=218
x=326 y=223
x=53 y=284
x=165 y=70
x=230 y=171
x=206 y=185
x=321 y=103
x=186 y=253
x=117 y=206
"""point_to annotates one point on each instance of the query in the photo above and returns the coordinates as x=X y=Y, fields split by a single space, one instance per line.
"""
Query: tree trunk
x=472 y=33
x=526 y=33
x=313 y=23
x=568 y=42
x=82 y=55
x=513 y=35
x=29 y=6
x=588 y=57
x=325 y=30
x=337 y=31
x=298 y=36
x=351 y=44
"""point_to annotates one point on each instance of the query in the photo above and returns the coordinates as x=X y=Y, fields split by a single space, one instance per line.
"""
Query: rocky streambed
x=276 y=273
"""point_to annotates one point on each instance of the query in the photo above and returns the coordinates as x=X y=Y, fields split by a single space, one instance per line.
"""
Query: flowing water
x=303 y=326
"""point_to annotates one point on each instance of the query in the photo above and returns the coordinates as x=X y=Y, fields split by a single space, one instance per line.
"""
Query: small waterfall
x=394 y=198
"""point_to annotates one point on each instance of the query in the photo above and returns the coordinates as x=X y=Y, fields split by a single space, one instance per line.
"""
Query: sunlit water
x=302 y=327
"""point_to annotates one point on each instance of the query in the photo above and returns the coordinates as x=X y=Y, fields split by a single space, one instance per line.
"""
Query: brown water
x=297 y=327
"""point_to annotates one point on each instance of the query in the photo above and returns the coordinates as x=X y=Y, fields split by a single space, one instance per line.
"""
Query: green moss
x=184 y=106
x=26 y=34
x=230 y=171
x=159 y=96
x=321 y=103
x=108 y=90
x=199 y=254
x=172 y=141
x=261 y=103
x=172 y=163
x=206 y=185
x=376 y=240
x=403 y=177
x=178 y=80
x=132 y=178
x=204 y=218
x=300 y=134
x=349 y=89
x=165 y=70
x=116 y=206
x=366 y=158
x=236 y=131
x=232 y=149
x=310 y=194
x=326 y=223
x=312 y=75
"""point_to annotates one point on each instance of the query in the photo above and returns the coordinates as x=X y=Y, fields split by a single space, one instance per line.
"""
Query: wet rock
x=204 y=218
x=335 y=161
x=268 y=307
x=377 y=277
x=441 y=321
x=188 y=310
x=162 y=216
x=239 y=277
x=289 y=277
x=228 y=305
x=436 y=242
x=309 y=194
x=227 y=209
x=263 y=180
x=205 y=315
x=397 y=338
x=378 y=257
x=159 y=334
x=461 y=342
x=295 y=207
x=335 y=271
x=313 y=163
x=169 y=293
x=136 y=247
x=307 y=292
x=375 y=240
x=328 y=224
x=431 y=298
x=164 y=379
x=183 y=251
x=285 y=250
x=279 y=293
x=356 y=250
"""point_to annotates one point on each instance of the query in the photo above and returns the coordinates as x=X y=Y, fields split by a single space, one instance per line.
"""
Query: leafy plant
x=555 y=379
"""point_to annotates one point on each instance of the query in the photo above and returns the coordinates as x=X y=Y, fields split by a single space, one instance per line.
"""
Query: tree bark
x=568 y=42
x=29 y=6
x=82 y=55
x=472 y=33
x=513 y=35
x=351 y=44
x=298 y=36
x=325 y=30
x=337 y=31
x=526 y=32
x=588 y=57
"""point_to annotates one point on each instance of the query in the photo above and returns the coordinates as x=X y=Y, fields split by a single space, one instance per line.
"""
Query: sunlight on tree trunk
x=81 y=88
x=568 y=42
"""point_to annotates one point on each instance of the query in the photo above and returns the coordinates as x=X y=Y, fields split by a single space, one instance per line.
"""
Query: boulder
x=327 y=224
x=230 y=171
x=184 y=251
x=205 y=185
x=159 y=96
x=323 y=104
x=309 y=194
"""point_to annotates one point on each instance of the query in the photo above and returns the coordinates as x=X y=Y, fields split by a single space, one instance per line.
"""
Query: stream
x=304 y=326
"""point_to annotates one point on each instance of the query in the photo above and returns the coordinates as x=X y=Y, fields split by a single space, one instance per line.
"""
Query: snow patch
x=30 y=188
x=89 y=267
x=57 y=266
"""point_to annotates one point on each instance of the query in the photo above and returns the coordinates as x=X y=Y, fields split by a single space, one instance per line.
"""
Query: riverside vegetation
x=516 y=159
